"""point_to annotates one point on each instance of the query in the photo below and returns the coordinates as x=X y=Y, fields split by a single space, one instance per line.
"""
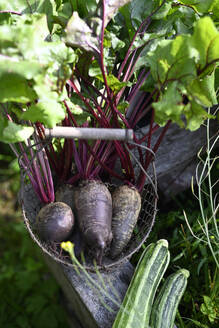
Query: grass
x=29 y=295
x=200 y=304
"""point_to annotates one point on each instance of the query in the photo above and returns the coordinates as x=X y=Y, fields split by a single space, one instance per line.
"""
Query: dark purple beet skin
x=93 y=206
x=55 y=222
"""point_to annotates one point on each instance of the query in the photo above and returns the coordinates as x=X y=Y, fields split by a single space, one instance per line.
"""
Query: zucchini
x=167 y=301
x=136 y=307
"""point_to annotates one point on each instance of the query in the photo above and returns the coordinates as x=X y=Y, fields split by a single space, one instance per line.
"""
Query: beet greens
x=102 y=64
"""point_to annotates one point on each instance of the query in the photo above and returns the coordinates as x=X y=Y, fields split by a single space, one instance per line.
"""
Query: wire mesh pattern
x=31 y=206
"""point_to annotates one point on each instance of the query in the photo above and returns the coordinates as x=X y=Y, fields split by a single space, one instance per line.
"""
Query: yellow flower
x=67 y=246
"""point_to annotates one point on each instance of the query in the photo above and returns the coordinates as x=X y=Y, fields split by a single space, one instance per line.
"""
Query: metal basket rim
x=104 y=267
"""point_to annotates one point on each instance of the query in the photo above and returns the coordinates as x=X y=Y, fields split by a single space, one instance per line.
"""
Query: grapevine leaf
x=206 y=40
x=11 y=132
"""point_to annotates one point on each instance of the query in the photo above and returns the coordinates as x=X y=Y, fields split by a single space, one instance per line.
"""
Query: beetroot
x=126 y=207
x=93 y=205
x=55 y=222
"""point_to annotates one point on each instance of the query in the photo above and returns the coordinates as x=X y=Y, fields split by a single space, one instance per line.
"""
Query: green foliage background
x=29 y=295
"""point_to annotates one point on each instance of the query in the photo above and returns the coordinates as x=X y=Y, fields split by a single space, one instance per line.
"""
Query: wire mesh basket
x=31 y=205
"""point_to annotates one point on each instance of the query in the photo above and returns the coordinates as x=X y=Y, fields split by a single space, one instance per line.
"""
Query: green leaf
x=11 y=132
x=5 y=18
x=122 y=106
x=169 y=106
x=114 y=84
x=25 y=37
x=47 y=7
x=65 y=10
x=206 y=40
x=48 y=110
x=74 y=105
x=209 y=309
x=24 y=68
x=203 y=90
x=171 y=60
x=216 y=78
x=140 y=10
x=182 y=57
x=84 y=8
x=126 y=21
x=79 y=34
x=111 y=8
x=215 y=9
x=95 y=70
x=15 y=88
x=113 y=41
x=195 y=115
x=182 y=19
x=28 y=62
x=148 y=85
x=163 y=11
x=201 y=6
x=27 y=6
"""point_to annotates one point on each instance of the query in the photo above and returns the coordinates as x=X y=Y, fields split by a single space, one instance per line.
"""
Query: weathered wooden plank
x=85 y=302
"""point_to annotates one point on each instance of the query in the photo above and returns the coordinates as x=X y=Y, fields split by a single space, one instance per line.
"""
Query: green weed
x=29 y=296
